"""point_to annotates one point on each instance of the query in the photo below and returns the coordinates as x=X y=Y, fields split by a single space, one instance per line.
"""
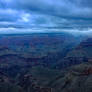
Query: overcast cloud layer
x=45 y=15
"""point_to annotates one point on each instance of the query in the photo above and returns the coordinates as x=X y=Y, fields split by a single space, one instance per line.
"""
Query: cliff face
x=83 y=50
x=27 y=73
x=76 y=79
x=35 y=49
x=82 y=53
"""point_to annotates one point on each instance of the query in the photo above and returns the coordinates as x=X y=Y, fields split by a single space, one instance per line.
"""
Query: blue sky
x=45 y=15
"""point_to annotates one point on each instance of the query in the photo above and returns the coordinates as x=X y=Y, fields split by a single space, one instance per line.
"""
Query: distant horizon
x=75 y=32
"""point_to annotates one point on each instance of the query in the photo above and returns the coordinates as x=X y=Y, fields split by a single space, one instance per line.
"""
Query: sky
x=21 y=16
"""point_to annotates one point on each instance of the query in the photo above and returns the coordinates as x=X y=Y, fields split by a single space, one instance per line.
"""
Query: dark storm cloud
x=62 y=8
x=59 y=14
x=8 y=15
